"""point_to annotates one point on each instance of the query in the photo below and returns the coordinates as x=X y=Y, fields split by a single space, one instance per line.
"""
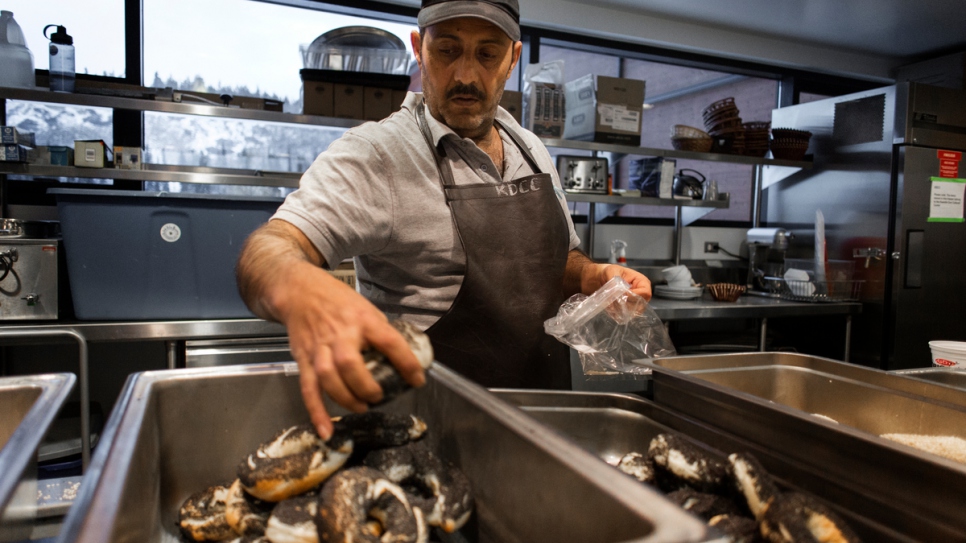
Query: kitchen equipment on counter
x=784 y=402
x=61 y=59
x=876 y=153
x=357 y=49
x=584 y=174
x=158 y=457
x=766 y=257
x=16 y=61
x=688 y=187
x=726 y=292
x=610 y=425
x=29 y=405
x=29 y=270
x=678 y=293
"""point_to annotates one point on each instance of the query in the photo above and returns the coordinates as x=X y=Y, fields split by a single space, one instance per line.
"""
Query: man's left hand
x=602 y=273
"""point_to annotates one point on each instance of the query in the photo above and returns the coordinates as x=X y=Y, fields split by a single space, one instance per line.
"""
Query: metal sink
x=176 y=432
x=943 y=376
x=28 y=405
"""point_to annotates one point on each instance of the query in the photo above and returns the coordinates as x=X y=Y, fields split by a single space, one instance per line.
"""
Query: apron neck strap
x=438 y=154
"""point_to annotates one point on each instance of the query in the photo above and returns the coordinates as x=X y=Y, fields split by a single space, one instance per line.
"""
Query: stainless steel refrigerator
x=877 y=157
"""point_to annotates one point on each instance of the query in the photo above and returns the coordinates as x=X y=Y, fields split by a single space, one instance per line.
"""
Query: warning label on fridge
x=949 y=163
x=946 y=200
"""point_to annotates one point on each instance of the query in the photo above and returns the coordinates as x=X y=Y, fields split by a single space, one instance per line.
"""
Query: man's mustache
x=465 y=90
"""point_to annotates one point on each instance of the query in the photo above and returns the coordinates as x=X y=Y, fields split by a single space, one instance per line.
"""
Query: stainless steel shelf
x=747 y=307
x=671 y=153
x=643 y=201
x=183 y=108
x=159 y=330
x=159 y=172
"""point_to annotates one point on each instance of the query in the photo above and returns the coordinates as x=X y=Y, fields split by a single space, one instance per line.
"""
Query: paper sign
x=619 y=117
x=949 y=155
x=946 y=200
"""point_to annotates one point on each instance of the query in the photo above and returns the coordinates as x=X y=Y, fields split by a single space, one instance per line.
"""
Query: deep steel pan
x=28 y=406
x=942 y=376
x=774 y=405
x=611 y=425
x=173 y=433
x=891 y=380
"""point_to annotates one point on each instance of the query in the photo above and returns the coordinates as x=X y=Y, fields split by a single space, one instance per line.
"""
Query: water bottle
x=61 y=59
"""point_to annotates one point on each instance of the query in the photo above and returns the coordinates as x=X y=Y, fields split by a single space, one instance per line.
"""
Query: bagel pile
x=737 y=497
x=373 y=481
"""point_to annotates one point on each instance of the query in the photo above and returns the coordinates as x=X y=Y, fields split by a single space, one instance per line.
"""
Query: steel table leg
x=82 y=375
x=763 y=334
x=848 y=336
x=175 y=353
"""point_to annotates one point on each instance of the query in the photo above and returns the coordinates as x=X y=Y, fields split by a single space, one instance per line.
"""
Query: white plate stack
x=678 y=293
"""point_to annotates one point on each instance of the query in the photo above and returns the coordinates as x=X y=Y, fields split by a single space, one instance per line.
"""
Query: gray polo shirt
x=375 y=195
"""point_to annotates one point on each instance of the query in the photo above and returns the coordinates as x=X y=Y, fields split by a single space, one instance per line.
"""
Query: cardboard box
x=609 y=113
x=546 y=117
x=348 y=101
x=92 y=154
x=512 y=101
x=317 y=98
x=54 y=155
x=12 y=152
x=10 y=135
x=127 y=158
x=376 y=103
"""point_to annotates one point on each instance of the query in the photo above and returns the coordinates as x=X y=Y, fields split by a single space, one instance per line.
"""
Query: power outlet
x=711 y=246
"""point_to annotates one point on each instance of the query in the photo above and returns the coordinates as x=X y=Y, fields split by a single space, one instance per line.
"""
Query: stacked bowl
x=724 y=125
x=789 y=144
x=756 y=138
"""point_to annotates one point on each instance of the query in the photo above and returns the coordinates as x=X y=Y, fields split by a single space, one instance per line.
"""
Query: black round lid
x=61 y=37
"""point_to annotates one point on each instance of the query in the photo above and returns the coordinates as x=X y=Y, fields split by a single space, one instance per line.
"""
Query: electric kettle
x=16 y=61
x=688 y=186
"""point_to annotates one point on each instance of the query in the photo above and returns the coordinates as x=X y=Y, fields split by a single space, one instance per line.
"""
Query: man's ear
x=517 y=51
x=417 y=41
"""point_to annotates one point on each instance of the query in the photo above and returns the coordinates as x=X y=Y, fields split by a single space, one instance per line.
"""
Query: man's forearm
x=579 y=273
x=268 y=254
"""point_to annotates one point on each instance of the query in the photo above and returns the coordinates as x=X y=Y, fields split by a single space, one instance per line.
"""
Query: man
x=456 y=220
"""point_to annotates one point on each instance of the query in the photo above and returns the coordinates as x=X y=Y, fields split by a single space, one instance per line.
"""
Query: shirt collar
x=438 y=130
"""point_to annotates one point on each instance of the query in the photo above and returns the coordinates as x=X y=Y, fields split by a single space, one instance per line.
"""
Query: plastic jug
x=16 y=61
x=61 y=59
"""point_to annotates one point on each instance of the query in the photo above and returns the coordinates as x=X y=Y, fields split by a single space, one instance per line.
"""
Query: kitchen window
x=257 y=55
x=97 y=29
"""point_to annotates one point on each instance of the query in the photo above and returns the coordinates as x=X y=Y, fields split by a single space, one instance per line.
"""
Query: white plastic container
x=16 y=61
x=948 y=354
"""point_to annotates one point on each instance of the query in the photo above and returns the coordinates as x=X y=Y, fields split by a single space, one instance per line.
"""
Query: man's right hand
x=329 y=324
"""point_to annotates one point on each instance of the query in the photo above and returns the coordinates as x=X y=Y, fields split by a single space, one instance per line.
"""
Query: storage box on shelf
x=141 y=255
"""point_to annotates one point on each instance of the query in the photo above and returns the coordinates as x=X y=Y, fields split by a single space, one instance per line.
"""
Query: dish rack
x=815 y=291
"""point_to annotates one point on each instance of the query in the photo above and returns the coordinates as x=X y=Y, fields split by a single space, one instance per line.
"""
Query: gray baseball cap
x=505 y=14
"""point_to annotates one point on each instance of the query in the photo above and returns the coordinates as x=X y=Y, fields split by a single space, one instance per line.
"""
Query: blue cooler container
x=154 y=255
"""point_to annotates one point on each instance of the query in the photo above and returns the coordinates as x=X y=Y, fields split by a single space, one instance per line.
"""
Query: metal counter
x=174 y=433
x=28 y=406
x=787 y=407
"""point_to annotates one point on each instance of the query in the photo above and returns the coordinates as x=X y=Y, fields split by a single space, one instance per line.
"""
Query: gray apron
x=516 y=241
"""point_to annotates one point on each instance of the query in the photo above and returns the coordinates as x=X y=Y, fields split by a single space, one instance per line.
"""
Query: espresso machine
x=766 y=258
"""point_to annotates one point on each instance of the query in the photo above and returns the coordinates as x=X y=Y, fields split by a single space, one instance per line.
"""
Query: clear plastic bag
x=613 y=330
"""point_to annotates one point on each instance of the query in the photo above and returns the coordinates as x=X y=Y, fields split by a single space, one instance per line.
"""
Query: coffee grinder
x=766 y=257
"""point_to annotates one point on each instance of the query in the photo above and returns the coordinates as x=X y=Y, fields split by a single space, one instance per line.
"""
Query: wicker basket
x=698 y=145
x=726 y=292
x=727 y=103
x=685 y=131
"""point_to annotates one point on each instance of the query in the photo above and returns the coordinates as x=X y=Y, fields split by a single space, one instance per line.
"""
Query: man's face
x=465 y=64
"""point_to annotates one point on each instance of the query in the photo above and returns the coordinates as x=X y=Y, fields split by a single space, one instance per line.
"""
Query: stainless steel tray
x=175 y=432
x=611 y=425
x=942 y=376
x=28 y=406
x=884 y=379
x=774 y=405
